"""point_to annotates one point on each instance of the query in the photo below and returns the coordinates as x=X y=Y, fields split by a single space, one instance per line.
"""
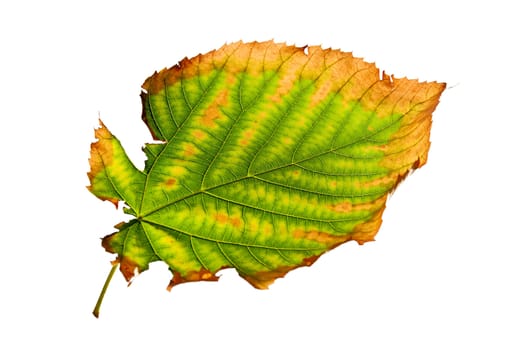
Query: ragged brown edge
x=363 y=233
x=235 y=54
x=193 y=276
x=101 y=154
x=335 y=70
x=423 y=98
x=263 y=279
x=308 y=61
x=417 y=125
x=259 y=280
x=127 y=266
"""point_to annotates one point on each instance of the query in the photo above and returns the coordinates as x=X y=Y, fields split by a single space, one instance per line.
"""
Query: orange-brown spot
x=371 y=206
x=385 y=181
x=333 y=184
x=247 y=135
x=236 y=222
x=361 y=233
x=170 y=182
x=212 y=113
x=189 y=150
x=343 y=207
x=200 y=135
x=231 y=79
x=221 y=218
x=224 y=219
x=321 y=237
x=209 y=117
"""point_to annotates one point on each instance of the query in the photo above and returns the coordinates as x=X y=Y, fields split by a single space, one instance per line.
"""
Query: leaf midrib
x=220 y=241
x=257 y=175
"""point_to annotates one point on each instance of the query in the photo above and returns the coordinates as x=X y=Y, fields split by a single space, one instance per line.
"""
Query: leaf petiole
x=104 y=288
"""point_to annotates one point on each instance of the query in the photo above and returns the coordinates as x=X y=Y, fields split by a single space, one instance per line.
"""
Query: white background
x=448 y=268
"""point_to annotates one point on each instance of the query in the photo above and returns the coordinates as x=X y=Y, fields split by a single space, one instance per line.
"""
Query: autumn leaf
x=267 y=156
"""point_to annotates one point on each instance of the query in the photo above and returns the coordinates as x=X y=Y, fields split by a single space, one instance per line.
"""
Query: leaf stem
x=104 y=288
